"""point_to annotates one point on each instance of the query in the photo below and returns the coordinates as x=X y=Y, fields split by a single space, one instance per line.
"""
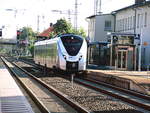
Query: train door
x=122 y=59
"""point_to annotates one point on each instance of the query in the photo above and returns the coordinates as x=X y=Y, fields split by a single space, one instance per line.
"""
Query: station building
x=46 y=33
x=99 y=25
x=133 y=20
x=8 y=43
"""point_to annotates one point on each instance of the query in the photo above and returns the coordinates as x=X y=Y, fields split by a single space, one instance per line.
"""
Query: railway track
x=122 y=96
x=141 y=99
x=43 y=95
x=130 y=97
x=133 y=98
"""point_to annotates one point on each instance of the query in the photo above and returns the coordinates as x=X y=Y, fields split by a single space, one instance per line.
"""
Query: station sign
x=145 y=43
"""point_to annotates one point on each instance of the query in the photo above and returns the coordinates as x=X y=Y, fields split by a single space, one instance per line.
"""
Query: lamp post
x=140 y=50
x=141 y=40
x=111 y=51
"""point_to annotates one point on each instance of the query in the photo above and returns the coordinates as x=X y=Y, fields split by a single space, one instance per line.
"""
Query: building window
x=134 y=23
x=119 y=25
x=107 y=26
x=126 y=24
x=141 y=21
x=116 y=25
x=123 y=24
x=138 y=21
x=145 y=20
x=131 y=23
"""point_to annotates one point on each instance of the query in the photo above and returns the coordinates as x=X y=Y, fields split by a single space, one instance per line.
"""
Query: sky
x=25 y=12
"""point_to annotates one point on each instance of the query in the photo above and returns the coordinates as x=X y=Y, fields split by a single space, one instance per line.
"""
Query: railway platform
x=134 y=80
x=12 y=99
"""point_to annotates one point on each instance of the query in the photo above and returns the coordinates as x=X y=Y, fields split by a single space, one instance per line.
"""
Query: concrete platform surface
x=12 y=99
x=132 y=78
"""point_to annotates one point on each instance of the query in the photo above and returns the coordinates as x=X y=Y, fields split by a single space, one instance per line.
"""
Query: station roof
x=92 y=16
x=121 y=33
x=46 y=32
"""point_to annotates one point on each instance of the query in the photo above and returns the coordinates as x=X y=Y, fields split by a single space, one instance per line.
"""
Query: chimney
x=51 y=24
x=139 y=1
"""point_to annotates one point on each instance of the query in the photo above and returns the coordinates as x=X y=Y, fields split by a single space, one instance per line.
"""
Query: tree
x=62 y=27
x=80 y=31
x=27 y=39
x=51 y=34
x=26 y=32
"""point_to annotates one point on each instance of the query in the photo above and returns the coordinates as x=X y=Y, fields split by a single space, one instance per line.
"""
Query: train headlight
x=65 y=57
x=80 y=57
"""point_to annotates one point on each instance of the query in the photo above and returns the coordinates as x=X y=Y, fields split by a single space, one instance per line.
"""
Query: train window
x=72 y=44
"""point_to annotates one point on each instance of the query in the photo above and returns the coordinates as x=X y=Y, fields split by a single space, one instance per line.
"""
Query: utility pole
x=140 y=46
x=140 y=50
x=43 y=18
x=76 y=15
x=111 y=51
x=38 y=22
x=68 y=12
x=97 y=7
x=141 y=40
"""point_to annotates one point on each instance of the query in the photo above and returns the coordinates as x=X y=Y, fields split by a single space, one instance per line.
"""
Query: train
x=67 y=52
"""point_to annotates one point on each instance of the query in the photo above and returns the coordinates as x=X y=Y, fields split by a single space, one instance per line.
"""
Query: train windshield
x=72 y=44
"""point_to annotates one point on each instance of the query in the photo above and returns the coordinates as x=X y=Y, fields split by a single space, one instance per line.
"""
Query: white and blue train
x=66 y=52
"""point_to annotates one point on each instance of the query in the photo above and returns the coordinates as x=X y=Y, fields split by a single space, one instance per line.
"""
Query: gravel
x=88 y=98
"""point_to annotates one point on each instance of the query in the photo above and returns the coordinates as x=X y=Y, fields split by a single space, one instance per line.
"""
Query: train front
x=72 y=53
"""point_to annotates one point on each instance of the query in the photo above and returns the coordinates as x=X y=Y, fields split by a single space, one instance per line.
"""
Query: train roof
x=43 y=42
x=69 y=34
